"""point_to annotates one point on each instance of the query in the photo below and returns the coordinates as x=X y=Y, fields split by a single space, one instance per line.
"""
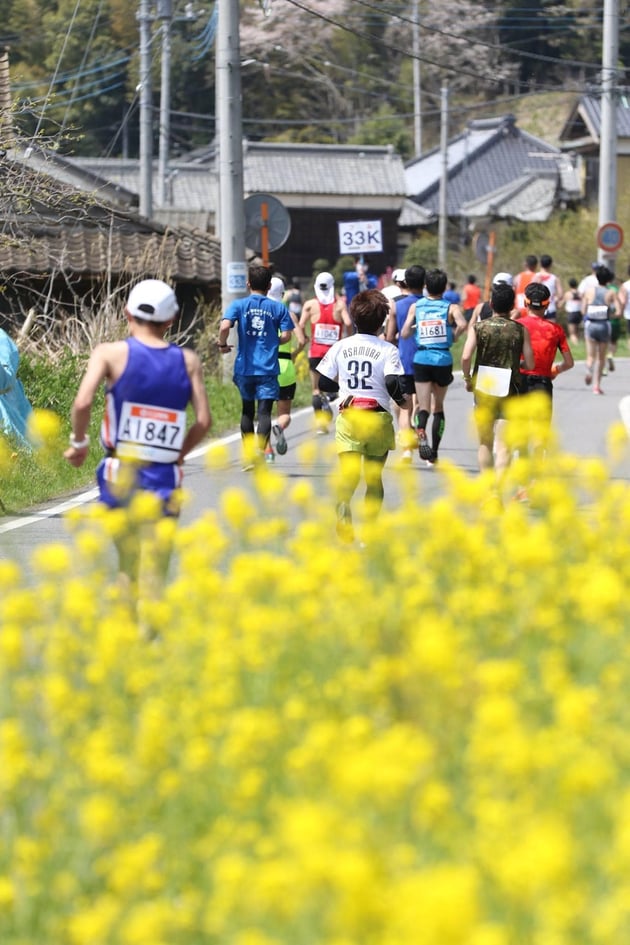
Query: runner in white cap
x=324 y=320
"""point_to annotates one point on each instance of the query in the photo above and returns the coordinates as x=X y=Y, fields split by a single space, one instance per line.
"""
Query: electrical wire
x=444 y=66
x=59 y=58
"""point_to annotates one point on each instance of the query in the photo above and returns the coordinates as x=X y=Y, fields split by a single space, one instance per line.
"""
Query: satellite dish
x=266 y=213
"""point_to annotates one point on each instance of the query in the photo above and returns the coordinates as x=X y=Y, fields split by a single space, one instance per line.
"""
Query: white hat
x=325 y=288
x=398 y=275
x=152 y=300
x=502 y=278
x=276 y=289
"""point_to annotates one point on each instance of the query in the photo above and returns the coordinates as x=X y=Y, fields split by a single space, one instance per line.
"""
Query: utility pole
x=443 y=216
x=230 y=147
x=417 y=88
x=165 y=14
x=608 y=124
x=146 y=112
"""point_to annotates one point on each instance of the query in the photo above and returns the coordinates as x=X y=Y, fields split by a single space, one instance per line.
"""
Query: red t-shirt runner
x=547 y=338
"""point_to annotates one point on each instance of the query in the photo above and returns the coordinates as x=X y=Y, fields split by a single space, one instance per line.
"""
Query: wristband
x=79 y=444
x=224 y=345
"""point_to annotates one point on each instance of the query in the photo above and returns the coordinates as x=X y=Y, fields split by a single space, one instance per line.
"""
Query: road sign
x=237 y=277
x=610 y=237
x=360 y=236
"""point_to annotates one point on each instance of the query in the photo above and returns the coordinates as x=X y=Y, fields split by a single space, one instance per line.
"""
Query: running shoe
x=597 y=390
x=588 y=377
x=270 y=456
x=423 y=446
x=281 y=440
x=326 y=405
x=345 y=531
x=407 y=456
x=611 y=364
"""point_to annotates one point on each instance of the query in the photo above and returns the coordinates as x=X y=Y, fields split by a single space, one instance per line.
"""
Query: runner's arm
x=470 y=346
x=528 y=352
x=460 y=322
x=199 y=403
x=392 y=326
x=95 y=373
x=407 y=329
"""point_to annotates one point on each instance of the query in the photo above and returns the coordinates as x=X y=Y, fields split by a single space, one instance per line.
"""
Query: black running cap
x=538 y=295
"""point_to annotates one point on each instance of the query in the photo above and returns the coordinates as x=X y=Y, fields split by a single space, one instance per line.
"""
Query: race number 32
x=360 y=236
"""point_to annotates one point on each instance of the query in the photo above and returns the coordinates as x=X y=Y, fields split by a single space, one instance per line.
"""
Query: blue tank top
x=145 y=409
x=434 y=335
x=406 y=346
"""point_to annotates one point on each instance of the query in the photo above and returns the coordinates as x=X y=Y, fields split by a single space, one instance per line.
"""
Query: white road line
x=92 y=494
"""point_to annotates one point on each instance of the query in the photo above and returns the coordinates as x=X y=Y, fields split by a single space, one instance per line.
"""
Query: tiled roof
x=342 y=170
x=586 y=118
x=489 y=155
x=191 y=188
x=49 y=225
x=339 y=170
x=412 y=215
x=530 y=198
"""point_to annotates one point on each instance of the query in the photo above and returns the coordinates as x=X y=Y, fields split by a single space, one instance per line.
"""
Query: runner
x=522 y=280
x=499 y=343
x=148 y=385
x=436 y=323
x=547 y=338
x=326 y=319
x=414 y=281
x=573 y=310
x=263 y=324
x=287 y=379
x=597 y=304
x=369 y=372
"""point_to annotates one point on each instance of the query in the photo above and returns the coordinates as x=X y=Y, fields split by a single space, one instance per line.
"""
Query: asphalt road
x=581 y=418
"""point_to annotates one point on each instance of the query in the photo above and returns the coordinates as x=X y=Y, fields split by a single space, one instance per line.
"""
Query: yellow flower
x=99 y=816
x=7 y=893
x=43 y=428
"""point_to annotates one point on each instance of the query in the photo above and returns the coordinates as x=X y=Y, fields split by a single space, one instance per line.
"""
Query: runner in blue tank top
x=149 y=384
x=436 y=324
x=398 y=311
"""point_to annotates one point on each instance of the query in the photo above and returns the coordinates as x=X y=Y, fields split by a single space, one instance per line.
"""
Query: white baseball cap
x=503 y=278
x=152 y=300
x=325 y=288
x=398 y=275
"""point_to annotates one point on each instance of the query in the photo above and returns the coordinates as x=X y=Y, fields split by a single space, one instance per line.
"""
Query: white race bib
x=597 y=313
x=150 y=434
x=432 y=329
x=326 y=334
x=493 y=380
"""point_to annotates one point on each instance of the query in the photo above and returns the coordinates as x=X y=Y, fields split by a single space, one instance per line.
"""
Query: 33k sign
x=360 y=236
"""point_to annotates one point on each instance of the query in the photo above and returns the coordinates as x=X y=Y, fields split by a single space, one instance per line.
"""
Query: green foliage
x=51 y=385
x=422 y=252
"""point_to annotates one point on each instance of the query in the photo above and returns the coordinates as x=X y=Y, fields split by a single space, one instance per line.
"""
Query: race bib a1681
x=432 y=329
x=150 y=434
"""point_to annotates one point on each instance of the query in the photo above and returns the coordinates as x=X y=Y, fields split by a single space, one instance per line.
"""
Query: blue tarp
x=14 y=404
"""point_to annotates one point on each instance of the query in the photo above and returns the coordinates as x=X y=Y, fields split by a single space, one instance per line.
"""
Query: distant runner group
x=386 y=358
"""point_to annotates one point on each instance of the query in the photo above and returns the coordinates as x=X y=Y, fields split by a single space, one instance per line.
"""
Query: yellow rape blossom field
x=423 y=739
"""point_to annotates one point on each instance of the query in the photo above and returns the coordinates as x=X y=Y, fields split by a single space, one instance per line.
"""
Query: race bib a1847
x=150 y=434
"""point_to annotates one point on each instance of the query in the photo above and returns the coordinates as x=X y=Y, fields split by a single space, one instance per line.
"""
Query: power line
x=470 y=40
